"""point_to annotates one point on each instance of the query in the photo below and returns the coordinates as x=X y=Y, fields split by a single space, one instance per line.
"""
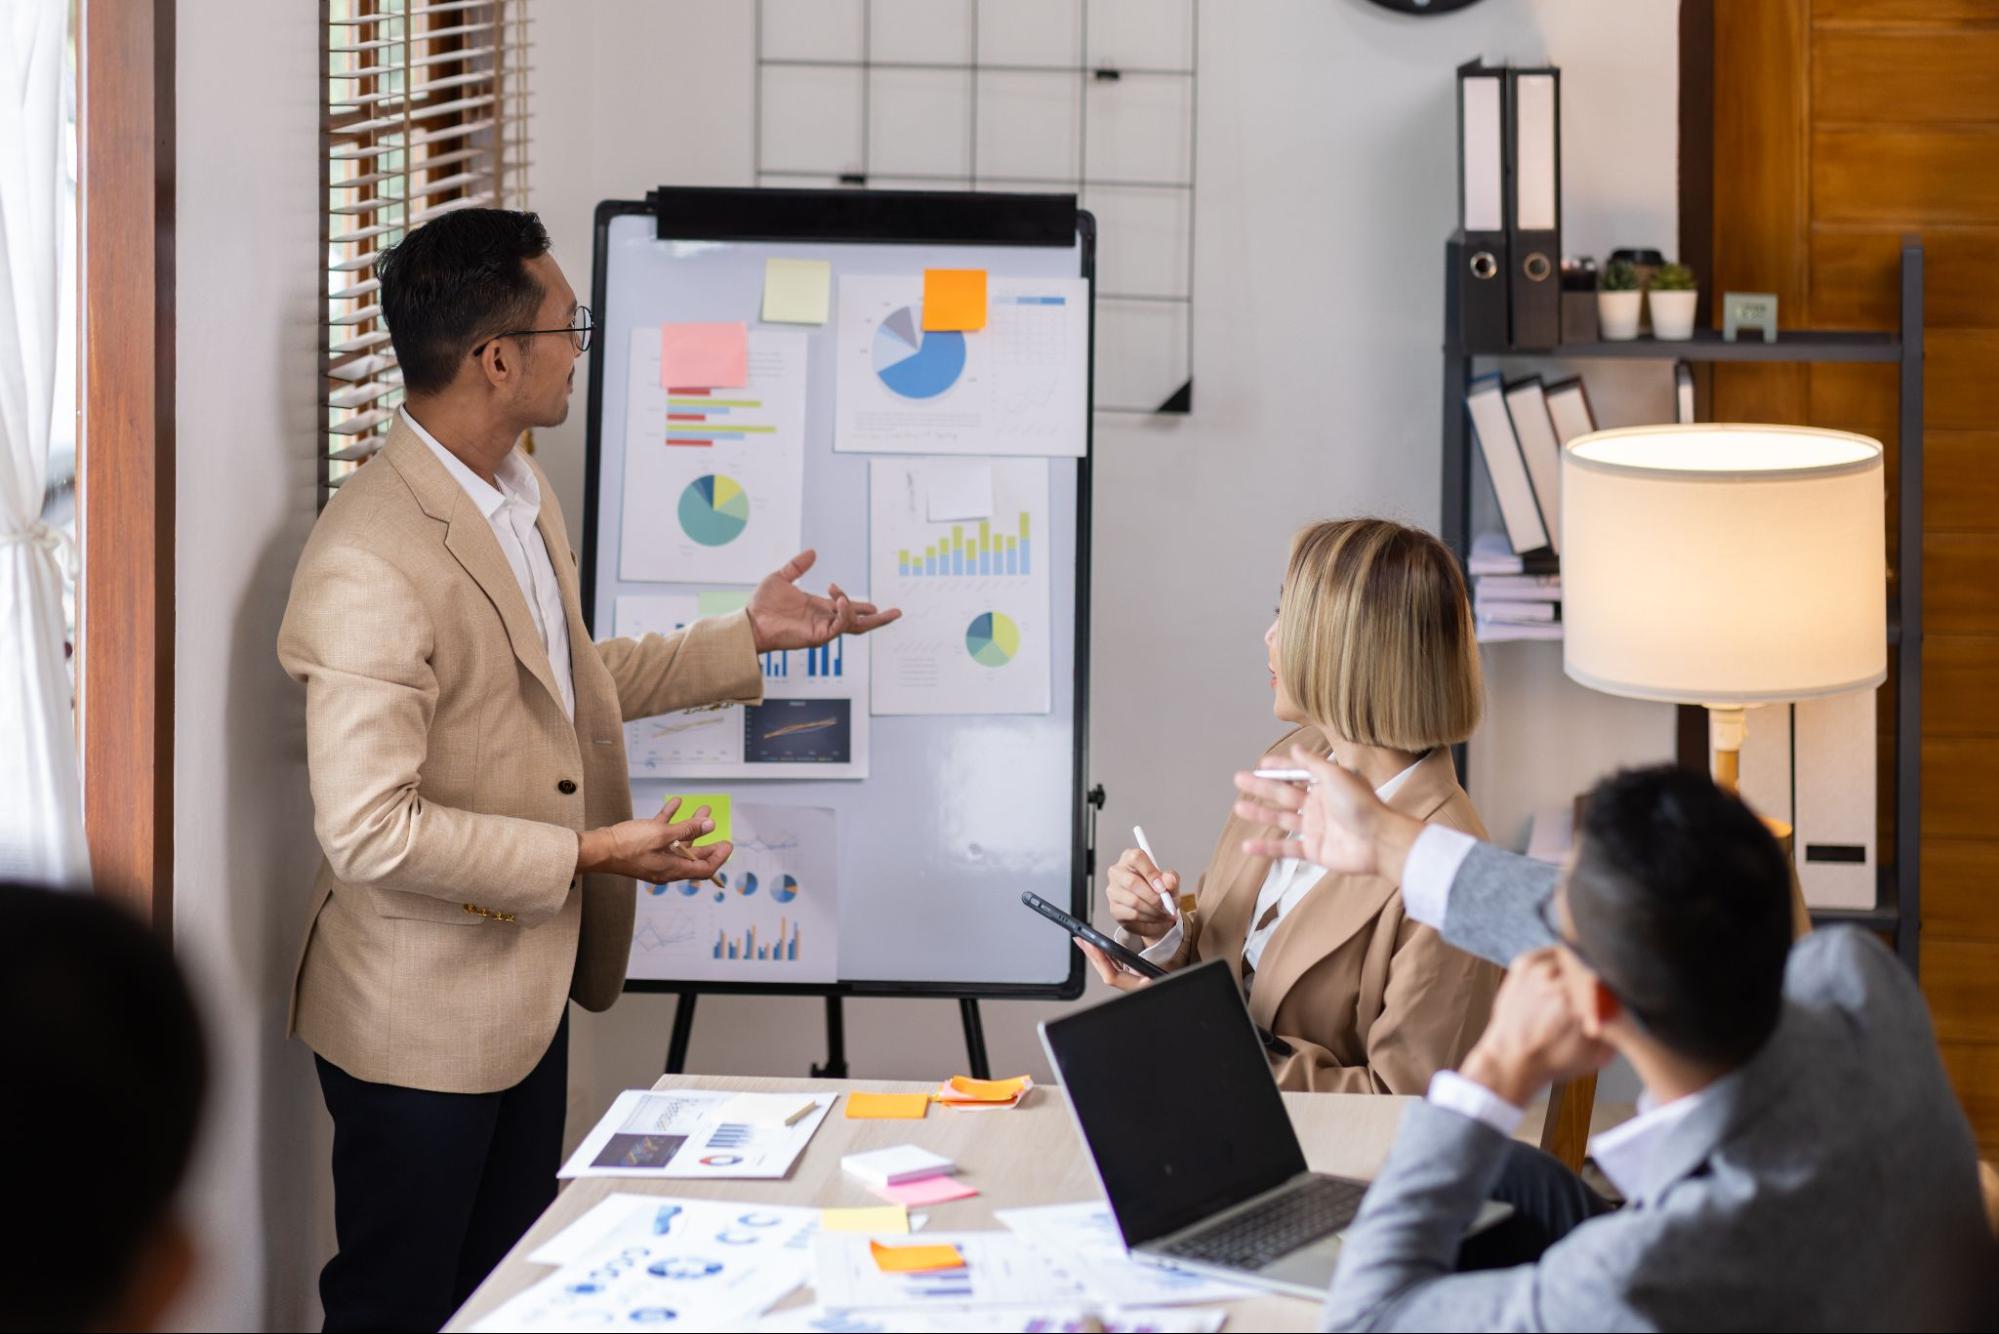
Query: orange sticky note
x=704 y=356
x=887 y=1106
x=954 y=300
x=963 y=1088
x=915 y=1259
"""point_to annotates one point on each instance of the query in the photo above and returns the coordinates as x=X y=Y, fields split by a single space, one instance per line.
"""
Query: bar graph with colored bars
x=967 y=557
x=698 y=418
x=827 y=661
x=783 y=950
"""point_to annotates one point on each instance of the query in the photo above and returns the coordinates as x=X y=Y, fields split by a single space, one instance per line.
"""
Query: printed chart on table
x=975 y=631
x=813 y=722
x=1019 y=386
x=771 y=914
x=714 y=478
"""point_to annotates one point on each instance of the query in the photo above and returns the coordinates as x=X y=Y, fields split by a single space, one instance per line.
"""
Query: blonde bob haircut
x=1375 y=636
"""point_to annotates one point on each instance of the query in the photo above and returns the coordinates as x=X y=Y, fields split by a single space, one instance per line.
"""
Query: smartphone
x=1077 y=927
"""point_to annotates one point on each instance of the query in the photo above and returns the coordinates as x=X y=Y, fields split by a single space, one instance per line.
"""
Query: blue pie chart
x=915 y=364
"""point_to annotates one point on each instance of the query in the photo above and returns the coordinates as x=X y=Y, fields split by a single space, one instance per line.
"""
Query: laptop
x=1205 y=1172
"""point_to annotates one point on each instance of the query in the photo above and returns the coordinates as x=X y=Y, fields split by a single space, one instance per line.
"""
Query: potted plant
x=1672 y=297
x=1618 y=301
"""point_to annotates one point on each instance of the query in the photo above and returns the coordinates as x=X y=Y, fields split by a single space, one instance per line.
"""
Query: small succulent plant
x=1620 y=275
x=1673 y=278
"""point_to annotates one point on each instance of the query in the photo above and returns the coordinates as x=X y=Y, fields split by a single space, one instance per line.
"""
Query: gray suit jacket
x=1830 y=1183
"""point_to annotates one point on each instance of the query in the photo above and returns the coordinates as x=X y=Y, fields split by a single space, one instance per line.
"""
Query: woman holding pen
x=1372 y=657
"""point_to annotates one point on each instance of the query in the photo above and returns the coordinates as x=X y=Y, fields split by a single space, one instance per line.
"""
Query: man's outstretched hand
x=783 y=615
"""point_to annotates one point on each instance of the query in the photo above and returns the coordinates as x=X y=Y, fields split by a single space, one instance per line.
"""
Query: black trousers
x=1549 y=1202
x=430 y=1190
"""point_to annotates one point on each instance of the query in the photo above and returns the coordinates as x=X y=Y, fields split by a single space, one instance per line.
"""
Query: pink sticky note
x=929 y=1190
x=704 y=356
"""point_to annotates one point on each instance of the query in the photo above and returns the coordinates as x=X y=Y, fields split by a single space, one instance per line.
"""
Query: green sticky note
x=721 y=601
x=795 y=290
x=718 y=810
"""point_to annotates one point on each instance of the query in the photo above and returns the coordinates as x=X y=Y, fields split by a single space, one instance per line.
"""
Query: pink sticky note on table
x=704 y=356
x=929 y=1190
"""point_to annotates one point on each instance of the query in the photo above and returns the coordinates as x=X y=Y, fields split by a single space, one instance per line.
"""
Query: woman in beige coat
x=1372 y=658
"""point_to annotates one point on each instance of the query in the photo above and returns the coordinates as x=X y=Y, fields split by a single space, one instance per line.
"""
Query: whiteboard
x=958 y=814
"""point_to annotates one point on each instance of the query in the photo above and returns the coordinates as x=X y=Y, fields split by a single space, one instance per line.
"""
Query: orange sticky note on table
x=962 y=1088
x=704 y=356
x=887 y=1106
x=915 y=1259
x=954 y=300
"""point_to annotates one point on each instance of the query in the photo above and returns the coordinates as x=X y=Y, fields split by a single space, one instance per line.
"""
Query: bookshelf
x=1897 y=906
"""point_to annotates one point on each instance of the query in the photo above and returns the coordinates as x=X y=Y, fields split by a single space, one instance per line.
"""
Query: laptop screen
x=1176 y=1101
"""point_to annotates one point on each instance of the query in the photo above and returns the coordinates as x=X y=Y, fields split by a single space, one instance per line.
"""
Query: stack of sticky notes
x=772 y=1110
x=926 y=1258
x=864 y=1106
x=983 y=1095
x=907 y=1175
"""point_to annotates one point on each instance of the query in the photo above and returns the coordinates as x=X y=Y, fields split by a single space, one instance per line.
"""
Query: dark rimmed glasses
x=579 y=333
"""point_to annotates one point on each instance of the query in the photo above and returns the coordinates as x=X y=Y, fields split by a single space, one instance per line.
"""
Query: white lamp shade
x=1724 y=564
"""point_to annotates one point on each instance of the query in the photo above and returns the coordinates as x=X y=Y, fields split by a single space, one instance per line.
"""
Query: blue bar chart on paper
x=823 y=663
x=968 y=555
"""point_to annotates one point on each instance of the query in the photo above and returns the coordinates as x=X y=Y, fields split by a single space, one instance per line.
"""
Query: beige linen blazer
x=449 y=928
x=1357 y=997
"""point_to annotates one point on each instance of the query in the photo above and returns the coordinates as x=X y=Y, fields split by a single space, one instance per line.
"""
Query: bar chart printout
x=976 y=632
x=771 y=914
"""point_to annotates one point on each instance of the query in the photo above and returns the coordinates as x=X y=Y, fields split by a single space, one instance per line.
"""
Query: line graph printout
x=1019 y=386
x=813 y=722
x=714 y=478
x=976 y=629
x=770 y=915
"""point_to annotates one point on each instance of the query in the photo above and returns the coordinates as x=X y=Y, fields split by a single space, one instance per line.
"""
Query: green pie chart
x=714 y=510
x=992 y=639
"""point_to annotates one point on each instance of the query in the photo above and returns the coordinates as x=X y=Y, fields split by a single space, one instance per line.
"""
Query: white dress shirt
x=1622 y=1152
x=511 y=509
x=1286 y=884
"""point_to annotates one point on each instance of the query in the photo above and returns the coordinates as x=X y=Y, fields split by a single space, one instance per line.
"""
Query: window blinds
x=425 y=111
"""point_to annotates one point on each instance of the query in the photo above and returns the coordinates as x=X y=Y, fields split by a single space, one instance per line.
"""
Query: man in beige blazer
x=466 y=748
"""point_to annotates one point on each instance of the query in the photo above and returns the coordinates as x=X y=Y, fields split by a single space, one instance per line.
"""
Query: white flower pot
x=1617 y=315
x=1672 y=314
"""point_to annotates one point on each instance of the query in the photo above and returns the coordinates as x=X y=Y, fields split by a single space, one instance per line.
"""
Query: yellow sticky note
x=887 y=1106
x=967 y=1089
x=915 y=1259
x=882 y=1220
x=718 y=811
x=954 y=300
x=795 y=290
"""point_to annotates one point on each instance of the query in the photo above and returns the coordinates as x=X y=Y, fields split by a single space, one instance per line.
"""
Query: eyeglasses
x=579 y=333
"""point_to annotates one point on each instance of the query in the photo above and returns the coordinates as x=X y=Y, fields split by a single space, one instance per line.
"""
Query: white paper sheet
x=1019 y=386
x=714 y=480
x=1000 y=1270
x=1085 y=1239
x=812 y=724
x=668 y=1135
x=692 y=1264
x=959 y=489
x=774 y=916
x=976 y=630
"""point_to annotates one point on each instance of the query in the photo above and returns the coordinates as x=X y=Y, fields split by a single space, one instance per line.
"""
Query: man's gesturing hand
x=654 y=850
x=783 y=615
x=1535 y=1036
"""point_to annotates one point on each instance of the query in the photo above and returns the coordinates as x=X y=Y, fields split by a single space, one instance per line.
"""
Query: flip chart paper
x=796 y=290
x=954 y=300
x=704 y=356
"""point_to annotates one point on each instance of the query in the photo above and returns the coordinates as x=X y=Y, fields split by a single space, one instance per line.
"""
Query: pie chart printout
x=714 y=510
x=992 y=639
x=912 y=363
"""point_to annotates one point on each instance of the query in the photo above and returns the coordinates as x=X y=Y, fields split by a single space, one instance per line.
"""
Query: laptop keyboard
x=1256 y=1237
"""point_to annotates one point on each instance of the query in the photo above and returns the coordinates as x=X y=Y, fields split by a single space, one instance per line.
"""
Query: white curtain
x=41 y=801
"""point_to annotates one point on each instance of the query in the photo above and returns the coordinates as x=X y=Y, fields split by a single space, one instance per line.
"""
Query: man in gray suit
x=1798 y=1161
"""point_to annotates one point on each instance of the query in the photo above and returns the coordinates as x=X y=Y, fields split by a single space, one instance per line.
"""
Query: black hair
x=106 y=1071
x=454 y=283
x=1680 y=899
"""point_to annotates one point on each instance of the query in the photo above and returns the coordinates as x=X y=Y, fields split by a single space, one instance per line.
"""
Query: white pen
x=1146 y=848
x=1282 y=776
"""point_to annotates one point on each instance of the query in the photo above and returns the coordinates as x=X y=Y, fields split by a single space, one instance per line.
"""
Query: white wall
x=247 y=286
x=1327 y=153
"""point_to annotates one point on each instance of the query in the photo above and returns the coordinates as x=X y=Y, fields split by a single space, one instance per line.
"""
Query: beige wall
x=1326 y=160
